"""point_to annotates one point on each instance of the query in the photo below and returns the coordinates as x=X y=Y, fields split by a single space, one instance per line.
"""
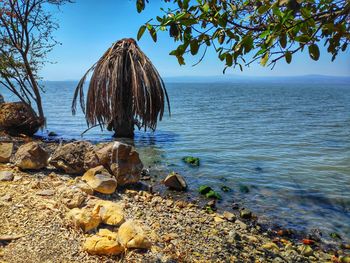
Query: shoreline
x=261 y=241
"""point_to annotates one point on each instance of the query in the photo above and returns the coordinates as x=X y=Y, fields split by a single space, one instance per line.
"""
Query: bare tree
x=26 y=28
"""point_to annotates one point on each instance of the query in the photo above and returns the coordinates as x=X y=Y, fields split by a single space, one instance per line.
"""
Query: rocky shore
x=54 y=213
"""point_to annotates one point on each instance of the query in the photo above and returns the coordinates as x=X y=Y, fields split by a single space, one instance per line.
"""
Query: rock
x=344 y=259
x=175 y=181
x=104 y=243
x=52 y=134
x=6 y=176
x=213 y=194
x=85 y=188
x=71 y=157
x=111 y=213
x=218 y=219
x=229 y=216
x=18 y=118
x=6 y=150
x=194 y=161
x=305 y=250
x=245 y=213
x=131 y=235
x=6 y=198
x=126 y=165
x=204 y=189
x=270 y=246
x=46 y=193
x=86 y=219
x=72 y=196
x=100 y=180
x=31 y=156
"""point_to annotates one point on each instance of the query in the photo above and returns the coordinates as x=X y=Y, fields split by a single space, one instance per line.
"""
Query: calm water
x=289 y=143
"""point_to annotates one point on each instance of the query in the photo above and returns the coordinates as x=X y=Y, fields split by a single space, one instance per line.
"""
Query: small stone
x=6 y=198
x=270 y=246
x=131 y=235
x=46 y=192
x=344 y=259
x=218 y=219
x=169 y=203
x=100 y=180
x=72 y=196
x=245 y=213
x=6 y=176
x=170 y=236
x=6 y=150
x=111 y=213
x=306 y=250
x=175 y=181
x=229 y=216
x=85 y=188
x=86 y=219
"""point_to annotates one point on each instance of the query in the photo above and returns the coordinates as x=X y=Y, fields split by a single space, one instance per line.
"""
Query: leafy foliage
x=25 y=39
x=125 y=87
x=245 y=31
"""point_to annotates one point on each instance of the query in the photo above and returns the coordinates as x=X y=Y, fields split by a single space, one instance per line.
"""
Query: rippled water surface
x=289 y=143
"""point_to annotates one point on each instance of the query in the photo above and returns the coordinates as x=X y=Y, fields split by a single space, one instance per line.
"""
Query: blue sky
x=89 y=27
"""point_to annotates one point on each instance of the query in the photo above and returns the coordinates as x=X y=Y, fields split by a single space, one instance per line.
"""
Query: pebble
x=245 y=213
x=270 y=246
x=6 y=176
x=229 y=216
x=46 y=192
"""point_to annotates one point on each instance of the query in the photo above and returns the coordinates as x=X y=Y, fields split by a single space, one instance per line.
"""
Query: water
x=288 y=142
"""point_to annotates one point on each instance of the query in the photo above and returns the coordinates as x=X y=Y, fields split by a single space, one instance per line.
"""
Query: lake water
x=289 y=143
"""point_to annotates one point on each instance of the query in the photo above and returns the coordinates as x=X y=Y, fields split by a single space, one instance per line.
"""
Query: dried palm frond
x=124 y=88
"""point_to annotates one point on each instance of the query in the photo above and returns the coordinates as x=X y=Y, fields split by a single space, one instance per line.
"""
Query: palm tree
x=125 y=89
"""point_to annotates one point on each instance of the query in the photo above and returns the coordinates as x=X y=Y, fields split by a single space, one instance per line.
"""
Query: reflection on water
x=289 y=144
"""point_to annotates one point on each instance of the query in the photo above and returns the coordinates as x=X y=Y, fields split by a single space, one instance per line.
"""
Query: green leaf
x=264 y=59
x=288 y=57
x=194 y=46
x=283 y=40
x=229 y=60
x=314 y=52
x=263 y=9
x=153 y=34
x=140 y=5
x=141 y=31
x=206 y=8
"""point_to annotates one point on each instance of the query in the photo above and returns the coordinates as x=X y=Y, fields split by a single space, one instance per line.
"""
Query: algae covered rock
x=131 y=235
x=100 y=180
x=104 y=243
x=194 y=161
x=70 y=157
x=18 y=118
x=175 y=181
x=31 y=156
x=6 y=150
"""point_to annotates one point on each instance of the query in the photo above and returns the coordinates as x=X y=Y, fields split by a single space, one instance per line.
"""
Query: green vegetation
x=242 y=32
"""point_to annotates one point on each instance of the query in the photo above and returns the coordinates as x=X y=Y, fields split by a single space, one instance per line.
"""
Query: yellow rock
x=107 y=233
x=111 y=213
x=131 y=235
x=100 y=180
x=270 y=246
x=218 y=219
x=86 y=219
x=99 y=245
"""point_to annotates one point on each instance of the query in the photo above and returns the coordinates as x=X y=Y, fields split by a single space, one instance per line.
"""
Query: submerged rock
x=131 y=235
x=104 y=243
x=194 y=161
x=245 y=213
x=18 y=118
x=31 y=156
x=6 y=150
x=175 y=181
x=100 y=180
x=70 y=157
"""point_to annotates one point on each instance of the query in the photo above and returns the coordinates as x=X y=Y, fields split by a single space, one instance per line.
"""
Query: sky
x=89 y=27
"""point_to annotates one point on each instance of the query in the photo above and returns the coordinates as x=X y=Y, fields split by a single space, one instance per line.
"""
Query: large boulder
x=6 y=150
x=110 y=212
x=70 y=158
x=100 y=180
x=31 y=156
x=18 y=118
x=126 y=165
